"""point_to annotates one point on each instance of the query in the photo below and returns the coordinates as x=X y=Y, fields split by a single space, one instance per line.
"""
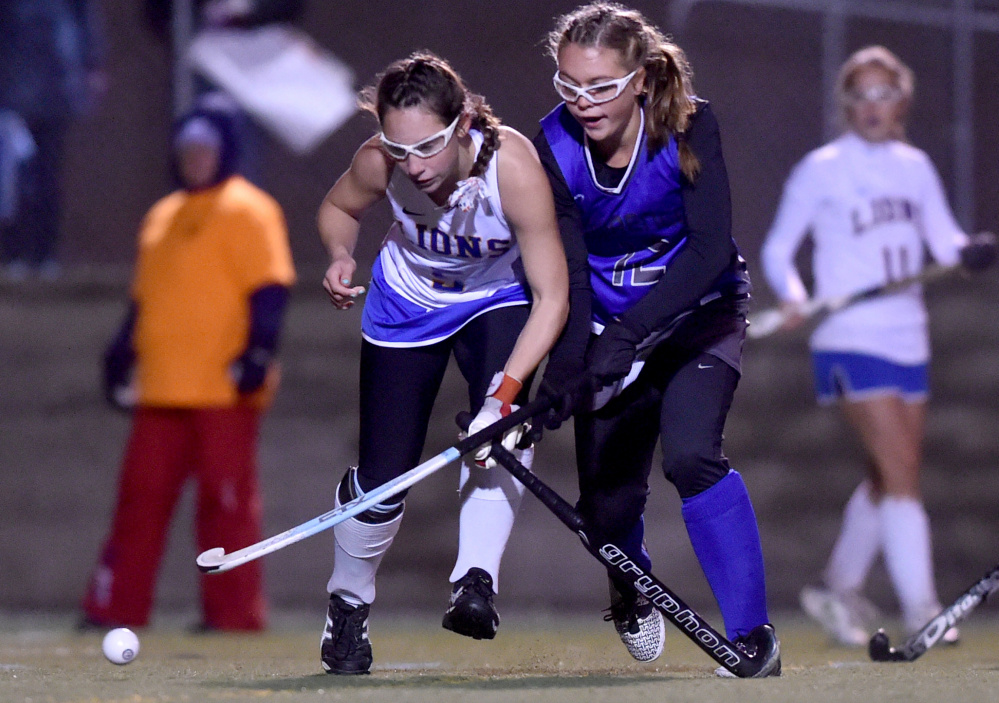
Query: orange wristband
x=508 y=389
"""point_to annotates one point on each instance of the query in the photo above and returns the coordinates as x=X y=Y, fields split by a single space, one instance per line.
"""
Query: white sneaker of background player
x=843 y=616
x=917 y=620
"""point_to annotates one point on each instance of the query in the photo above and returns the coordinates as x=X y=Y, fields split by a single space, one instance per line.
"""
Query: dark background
x=761 y=68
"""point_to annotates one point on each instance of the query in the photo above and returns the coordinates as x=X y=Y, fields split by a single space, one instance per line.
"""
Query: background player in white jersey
x=472 y=266
x=872 y=204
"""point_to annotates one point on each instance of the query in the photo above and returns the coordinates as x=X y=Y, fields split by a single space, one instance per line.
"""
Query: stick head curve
x=211 y=560
x=880 y=649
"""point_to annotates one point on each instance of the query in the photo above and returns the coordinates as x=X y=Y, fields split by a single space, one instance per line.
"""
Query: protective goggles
x=595 y=94
x=431 y=146
x=876 y=94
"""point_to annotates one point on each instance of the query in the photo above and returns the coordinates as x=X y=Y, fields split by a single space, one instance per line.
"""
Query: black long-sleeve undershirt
x=706 y=255
x=565 y=359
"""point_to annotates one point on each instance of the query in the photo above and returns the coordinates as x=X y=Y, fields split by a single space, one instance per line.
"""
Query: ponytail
x=669 y=92
x=669 y=103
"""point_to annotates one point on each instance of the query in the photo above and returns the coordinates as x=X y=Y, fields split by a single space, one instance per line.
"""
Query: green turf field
x=534 y=658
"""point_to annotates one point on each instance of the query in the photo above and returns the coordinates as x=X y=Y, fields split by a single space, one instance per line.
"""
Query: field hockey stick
x=766 y=322
x=216 y=560
x=668 y=603
x=881 y=650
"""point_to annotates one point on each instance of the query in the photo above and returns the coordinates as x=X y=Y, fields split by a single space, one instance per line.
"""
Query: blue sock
x=723 y=532
x=634 y=546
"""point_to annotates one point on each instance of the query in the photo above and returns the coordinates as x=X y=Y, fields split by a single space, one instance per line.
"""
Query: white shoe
x=639 y=624
x=844 y=616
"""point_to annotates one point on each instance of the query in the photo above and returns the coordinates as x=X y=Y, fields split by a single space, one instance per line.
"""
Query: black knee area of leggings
x=692 y=472
x=376 y=514
x=611 y=512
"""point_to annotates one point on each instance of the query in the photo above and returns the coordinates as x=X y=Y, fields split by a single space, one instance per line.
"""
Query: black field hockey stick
x=216 y=560
x=762 y=639
x=881 y=650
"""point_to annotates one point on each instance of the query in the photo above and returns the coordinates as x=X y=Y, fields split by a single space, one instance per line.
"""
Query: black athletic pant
x=399 y=386
x=682 y=398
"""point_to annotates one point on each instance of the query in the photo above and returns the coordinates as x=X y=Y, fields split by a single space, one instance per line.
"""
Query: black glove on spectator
x=250 y=370
x=267 y=305
x=119 y=357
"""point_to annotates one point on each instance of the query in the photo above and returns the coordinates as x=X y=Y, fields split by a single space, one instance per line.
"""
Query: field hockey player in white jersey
x=872 y=204
x=472 y=266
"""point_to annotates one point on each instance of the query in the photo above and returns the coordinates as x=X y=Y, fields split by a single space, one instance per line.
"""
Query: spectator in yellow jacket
x=195 y=355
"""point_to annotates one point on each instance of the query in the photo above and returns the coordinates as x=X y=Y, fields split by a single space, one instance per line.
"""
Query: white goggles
x=876 y=94
x=595 y=94
x=431 y=146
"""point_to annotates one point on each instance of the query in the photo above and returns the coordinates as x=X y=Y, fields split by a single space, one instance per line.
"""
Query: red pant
x=167 y=446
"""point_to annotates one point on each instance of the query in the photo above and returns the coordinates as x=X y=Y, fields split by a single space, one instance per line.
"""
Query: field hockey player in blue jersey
x=642 y=196
x=473 y=267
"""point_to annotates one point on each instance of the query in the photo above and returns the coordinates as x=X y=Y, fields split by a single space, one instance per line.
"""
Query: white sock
x=358 y=553
x=905 y=531
x=490 y=499
x=857 y=545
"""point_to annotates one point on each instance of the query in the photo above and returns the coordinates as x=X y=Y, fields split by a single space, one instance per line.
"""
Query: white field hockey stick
x=766 y=322
x=216 y=560
x=881 y=650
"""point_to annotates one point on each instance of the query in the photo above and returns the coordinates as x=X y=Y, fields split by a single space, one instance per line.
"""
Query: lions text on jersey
x=872 y=209
x=441 y=266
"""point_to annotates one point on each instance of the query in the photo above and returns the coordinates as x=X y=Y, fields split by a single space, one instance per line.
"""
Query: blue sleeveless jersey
x=633 y=231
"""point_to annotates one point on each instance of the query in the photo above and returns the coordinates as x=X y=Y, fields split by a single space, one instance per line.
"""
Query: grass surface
x=534 y=658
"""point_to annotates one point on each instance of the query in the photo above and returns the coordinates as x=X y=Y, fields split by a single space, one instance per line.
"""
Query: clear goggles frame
x=875 y=94
x=423 y=149
x=595 y=94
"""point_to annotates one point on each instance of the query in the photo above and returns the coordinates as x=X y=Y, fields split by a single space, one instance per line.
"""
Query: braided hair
x=425 y=80
x=669 y=92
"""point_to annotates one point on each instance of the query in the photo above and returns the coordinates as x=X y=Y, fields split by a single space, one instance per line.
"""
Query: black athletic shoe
x=761 y=641
x=471 y=611
x=345 y=648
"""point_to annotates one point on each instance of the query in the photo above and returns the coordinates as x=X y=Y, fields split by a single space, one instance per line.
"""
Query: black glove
x=564 y=392
x=119 y=358
x=980 y=251
x=118 y=362
x=612 y=354
x=250 y=370
x=267 y=305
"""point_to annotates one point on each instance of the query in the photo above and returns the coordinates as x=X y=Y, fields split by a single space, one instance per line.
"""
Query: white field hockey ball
x=120 y=646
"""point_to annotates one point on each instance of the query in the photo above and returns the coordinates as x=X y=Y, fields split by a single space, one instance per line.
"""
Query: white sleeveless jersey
x=441 y=266
x=872 y=211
